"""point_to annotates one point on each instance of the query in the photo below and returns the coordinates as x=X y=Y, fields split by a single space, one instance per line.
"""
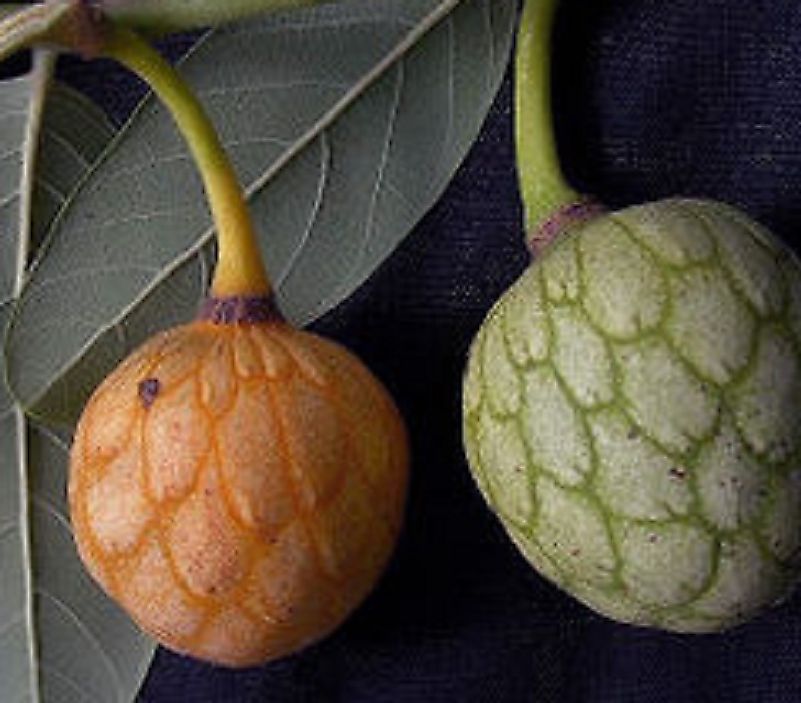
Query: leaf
x=181 y=15
x=61 y=639
x=344 y=121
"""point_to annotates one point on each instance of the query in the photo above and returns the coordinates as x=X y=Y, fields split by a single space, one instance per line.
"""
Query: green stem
x=543 y=187
x=240 y=269
x=161 y=16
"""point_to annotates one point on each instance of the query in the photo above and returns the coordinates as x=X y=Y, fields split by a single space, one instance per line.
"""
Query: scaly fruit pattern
x=238 y=488
x=632 y=415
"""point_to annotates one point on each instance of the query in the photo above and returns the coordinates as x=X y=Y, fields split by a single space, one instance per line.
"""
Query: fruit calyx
x=240 y=309
x=84 y=29
x=558 y=222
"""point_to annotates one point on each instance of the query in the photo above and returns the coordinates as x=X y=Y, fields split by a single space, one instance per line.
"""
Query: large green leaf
x=345 y=123
x=61 y=639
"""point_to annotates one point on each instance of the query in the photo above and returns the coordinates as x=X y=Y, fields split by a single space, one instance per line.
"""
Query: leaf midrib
x=41 y=74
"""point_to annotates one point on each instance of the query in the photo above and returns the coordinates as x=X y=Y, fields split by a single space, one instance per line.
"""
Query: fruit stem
x=240 y=269
x=543 y=187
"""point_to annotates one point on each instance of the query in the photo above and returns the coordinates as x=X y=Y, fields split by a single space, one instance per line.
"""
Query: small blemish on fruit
x=148 y=391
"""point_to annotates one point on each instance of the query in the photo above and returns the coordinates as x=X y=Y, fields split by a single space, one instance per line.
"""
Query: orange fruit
x=238 y=487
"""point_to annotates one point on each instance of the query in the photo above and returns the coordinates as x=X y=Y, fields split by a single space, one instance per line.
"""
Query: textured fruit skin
x=238 y=489
x=631 y=413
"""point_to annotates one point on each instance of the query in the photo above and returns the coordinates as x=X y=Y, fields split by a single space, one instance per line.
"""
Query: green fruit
x=631 y=413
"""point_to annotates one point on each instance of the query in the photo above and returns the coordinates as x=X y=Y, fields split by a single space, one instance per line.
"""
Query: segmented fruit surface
x=238 y=488
x=632 y=413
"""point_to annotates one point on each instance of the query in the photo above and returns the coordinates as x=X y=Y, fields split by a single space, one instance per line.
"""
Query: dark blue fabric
x=653 y=98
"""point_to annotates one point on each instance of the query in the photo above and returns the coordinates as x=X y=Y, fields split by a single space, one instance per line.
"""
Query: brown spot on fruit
x=148 y=391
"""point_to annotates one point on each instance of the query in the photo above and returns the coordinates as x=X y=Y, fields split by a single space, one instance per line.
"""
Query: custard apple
x=631 y=413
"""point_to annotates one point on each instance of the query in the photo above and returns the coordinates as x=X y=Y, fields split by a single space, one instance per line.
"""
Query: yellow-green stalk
x=240 y=269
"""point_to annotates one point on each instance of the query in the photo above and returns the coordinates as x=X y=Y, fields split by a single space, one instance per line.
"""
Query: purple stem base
x=240 y=310
x=561 y=220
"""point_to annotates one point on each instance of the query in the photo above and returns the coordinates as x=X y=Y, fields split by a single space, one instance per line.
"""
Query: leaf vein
x=71 y=683
x=235 y=143
x=228 y=91
x=84 y=273
x=44 y=62
x=53 y=511
x=14 y=113
x=62 y=141
x=143 y=217
x=85 y=109
x=338 y=24
x=92 y=639
x=401 y=195
x=325 y=165
x=7 y=527
x=7 y=627
x=392 y=119
x=10 y=198
x=6 y=155
x=53 y=437
x=47 y=185
x=151 y=163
